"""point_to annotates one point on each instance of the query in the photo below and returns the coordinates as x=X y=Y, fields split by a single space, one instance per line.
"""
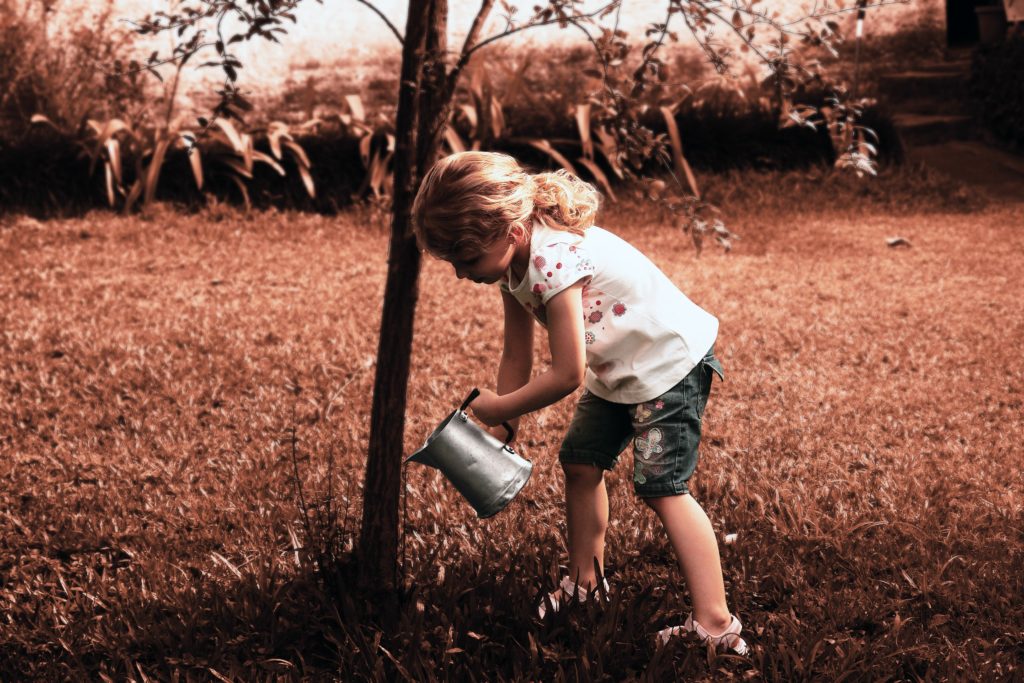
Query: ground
x=864 y=449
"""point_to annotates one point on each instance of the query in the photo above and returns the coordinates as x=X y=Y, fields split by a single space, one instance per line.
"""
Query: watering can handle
x=469 y=399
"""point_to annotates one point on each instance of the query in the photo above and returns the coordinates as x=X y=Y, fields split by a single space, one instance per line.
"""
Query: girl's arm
x=568 y=364
x=517 y=356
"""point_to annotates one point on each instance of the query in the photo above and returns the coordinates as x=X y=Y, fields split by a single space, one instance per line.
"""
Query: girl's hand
x=487 y=408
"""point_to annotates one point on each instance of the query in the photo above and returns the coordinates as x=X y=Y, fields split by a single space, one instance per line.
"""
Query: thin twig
x=846 y=10
x=555 y=20
x=384 y=19
x=738 y=32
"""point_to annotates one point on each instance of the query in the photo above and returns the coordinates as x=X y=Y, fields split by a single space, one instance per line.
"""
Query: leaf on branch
x=545 y=146
x=600 y=177
x=355 y=105
x=298 y=153
x=153 y=172
x=133 y=195
x=275 y=131
x=109 y=184
x=114 y=158
x=682 y=166
x=194 y=158
x=265 y=158
x=39 y=118
x=583 y=124
x=239 y=101
x=237 y=166
x=497 y=117
x=455 y=143
x=232 y=135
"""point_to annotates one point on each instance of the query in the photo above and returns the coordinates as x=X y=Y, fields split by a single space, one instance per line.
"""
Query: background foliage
x=997 y=89
x=60 y=169
x=64 y=73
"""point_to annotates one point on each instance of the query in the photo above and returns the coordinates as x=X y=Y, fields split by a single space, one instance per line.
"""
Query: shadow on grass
x=477 y=623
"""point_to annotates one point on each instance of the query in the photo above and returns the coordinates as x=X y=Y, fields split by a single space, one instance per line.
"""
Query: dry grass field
x=865 y=448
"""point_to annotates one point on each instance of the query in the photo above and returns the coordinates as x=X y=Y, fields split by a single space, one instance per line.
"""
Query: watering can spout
x=422 y=456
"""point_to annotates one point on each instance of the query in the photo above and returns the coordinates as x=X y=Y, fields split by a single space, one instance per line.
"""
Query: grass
x=863 y=448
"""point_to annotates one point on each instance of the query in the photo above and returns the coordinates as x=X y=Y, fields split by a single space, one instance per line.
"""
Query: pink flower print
x=596 y=316
x=644 y=411
x=572 y=249
x=550 y=273
x=619 y=309
x=539 y=262
x=590 y=338
x=539 y=288
x=558 y=265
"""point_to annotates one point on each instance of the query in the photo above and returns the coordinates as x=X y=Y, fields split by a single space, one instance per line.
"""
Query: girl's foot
x=729 y=639
x=566 y=591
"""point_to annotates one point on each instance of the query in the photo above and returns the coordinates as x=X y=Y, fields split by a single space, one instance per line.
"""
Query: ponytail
x=564 y=201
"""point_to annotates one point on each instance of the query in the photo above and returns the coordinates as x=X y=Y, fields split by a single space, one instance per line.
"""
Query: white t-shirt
x=643 y=335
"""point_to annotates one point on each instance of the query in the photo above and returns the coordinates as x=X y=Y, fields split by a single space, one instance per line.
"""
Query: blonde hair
x=469 y=200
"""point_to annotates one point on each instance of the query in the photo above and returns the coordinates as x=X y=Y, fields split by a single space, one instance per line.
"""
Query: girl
x=615 y=323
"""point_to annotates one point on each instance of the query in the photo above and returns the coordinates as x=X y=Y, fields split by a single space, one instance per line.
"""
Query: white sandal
x=569 y=589
x=729 y=639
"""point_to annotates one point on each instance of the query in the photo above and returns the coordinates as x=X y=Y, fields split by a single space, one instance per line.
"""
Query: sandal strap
x=570 y=589
x=729 y=638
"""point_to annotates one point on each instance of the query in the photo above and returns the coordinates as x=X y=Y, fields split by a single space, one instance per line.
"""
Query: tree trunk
x=422 y=55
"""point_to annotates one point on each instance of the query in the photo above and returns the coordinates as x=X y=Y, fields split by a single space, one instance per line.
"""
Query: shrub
x=997 y=89
x=53 y=172
x=66 y=72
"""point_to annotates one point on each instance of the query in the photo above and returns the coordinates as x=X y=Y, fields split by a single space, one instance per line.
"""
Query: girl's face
x=489 y=265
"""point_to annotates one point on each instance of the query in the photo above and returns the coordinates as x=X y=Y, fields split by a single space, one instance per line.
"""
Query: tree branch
x=468 y=50
x=478 y=24
x=384 y=18
x=530 y=24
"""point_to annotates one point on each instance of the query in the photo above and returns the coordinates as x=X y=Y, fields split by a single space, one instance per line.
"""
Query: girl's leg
x=586 y=513
x=696 y=548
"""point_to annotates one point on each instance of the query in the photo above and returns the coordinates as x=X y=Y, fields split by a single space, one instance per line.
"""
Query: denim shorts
x=665 y=432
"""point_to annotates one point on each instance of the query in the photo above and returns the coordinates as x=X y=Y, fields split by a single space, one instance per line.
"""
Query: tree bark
x=417 y=138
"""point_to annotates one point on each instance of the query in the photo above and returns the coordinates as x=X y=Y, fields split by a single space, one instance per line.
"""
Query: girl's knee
x=578 y=473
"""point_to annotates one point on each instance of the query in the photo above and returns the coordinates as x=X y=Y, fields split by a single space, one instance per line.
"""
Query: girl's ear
x=517 y=234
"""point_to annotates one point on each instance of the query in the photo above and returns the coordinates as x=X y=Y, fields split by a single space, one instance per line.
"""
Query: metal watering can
x=487 y=472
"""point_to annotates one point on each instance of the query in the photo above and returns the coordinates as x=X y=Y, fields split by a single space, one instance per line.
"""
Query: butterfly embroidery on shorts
x=646 y=448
